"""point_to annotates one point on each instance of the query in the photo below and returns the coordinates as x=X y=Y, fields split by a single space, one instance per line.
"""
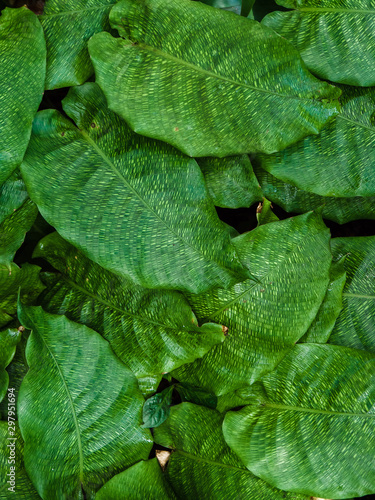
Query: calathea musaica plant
x=135 y=322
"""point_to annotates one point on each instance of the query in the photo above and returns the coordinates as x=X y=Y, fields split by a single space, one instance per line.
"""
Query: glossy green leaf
x=311 y=426
x=13 y=230
x=13 y=278
x=156 y=409
x=230 y=181
x=206 y=86
x=21 y=83
x=322 y=326
x=11 y=455
x=68 y=25
x=142 y=481
x=203 y=466
x=339 y=162
x=8 y=342
x=266 y=319
x=152 y=332
x=79 y=409
x=334 y=37
x=355 y=326
x=136 y=206
x=293 y=199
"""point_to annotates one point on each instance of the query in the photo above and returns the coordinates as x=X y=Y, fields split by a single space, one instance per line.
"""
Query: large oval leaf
x=216 y=84
x=264 y=319
x=340 y=161
x=68 y=25
x=136 y=206
x=293 y=199
x=355 y=326
x=334 y=37
x=152 y=332
x=79 y=409
x=202 y=465
x=22 y=74
x=311 y=426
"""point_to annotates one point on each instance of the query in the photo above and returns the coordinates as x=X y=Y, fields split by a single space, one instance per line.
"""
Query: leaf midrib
x=356 y=123
x=79 y=442
x=72 y=12
x=83 y=290
x=336 y=11
x=144 y=202
x=359 y=295
x=210 y=74
x=208 y=461
x=278 y=406
x=262 y=279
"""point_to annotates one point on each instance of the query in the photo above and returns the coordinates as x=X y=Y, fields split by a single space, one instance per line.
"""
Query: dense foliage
x=135 y=322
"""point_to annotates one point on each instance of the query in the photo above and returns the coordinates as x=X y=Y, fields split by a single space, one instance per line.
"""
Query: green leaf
x=266 y=319
x=334 y=37
x=310 y=428
x=23 y=489
x=246 y=7
x=203 y=466
x=293 y=199
x=322 y=326
x=263 y=7
x=68 y=25
x=21 y=83
x=230 y=181
x=189 y=86
x=230 y=400
x=149 y=385
x=13 y=195
x=16 y=371
x=8 y=342
x=231 y=5
x=156 y=196
x=156 y=409
x=196 y=395
x=152 y=332
x=355 y=326
x=339 y=162
x=13 y=230
x=79 y=409
x=12 y=278
x=142 y=481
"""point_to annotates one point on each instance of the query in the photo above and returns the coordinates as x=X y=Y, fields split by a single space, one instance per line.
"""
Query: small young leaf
x=156 y=409
x=264 y=105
